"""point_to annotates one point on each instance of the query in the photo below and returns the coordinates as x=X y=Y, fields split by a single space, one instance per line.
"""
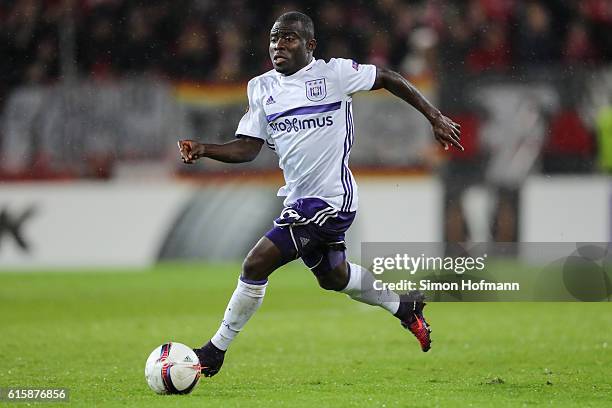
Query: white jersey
x=308 y=120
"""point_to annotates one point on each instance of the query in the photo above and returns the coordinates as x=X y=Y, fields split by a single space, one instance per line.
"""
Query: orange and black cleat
x=416 y=322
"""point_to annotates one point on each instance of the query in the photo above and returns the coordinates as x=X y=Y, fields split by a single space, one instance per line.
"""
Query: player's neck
x=310 y=61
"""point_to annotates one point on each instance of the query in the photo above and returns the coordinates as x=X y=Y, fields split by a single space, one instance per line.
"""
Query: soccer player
x=302 y=109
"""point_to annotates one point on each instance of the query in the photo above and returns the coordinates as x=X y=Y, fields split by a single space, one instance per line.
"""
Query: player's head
x=292 y=42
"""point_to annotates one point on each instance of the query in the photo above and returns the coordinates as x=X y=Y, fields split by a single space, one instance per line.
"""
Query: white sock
x=243 y=304
x=361 y=288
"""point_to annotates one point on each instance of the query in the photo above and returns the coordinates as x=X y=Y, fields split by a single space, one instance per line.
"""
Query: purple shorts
x=312 y=230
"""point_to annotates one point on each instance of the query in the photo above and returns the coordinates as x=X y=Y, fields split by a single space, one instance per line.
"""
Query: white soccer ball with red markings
x=172 y=368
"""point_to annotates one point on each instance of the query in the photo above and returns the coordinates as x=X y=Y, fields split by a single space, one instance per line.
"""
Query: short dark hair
x=307 y=24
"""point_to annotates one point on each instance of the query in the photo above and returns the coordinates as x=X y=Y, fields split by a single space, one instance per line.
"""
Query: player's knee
x=253 y=267
x=331 y=271
x=333 y=279
x=330 y=282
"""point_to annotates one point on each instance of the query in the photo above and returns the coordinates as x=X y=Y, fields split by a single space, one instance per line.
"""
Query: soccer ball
x=172 y=368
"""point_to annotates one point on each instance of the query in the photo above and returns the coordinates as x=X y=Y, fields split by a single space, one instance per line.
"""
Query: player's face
x=289 y=50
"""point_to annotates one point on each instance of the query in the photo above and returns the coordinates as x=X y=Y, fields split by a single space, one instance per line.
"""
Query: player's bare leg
x=358 y=283
x=261 y=261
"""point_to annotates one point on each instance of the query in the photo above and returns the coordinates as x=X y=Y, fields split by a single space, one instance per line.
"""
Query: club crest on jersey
x=315 y=90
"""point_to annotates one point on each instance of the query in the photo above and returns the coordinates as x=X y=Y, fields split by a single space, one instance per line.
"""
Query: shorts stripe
x=322 y=220
x=325 y=217
x=319 y=217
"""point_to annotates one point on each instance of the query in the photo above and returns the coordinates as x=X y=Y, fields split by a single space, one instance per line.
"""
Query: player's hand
x=446 y=132
x=190 y=150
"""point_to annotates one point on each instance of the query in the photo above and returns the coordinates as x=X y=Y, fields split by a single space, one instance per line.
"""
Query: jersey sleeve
x=354 y=77
x=253 y=123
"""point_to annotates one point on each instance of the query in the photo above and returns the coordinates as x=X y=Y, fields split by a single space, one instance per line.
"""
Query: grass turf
x=92 y=331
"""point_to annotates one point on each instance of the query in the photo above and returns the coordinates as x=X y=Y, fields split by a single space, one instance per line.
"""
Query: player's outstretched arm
x=446 y=132
x=243 y=149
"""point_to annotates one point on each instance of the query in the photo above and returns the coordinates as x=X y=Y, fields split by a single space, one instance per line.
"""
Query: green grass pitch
x=92 y=331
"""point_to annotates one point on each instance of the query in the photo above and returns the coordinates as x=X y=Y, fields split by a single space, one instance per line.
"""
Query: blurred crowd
x=226 y=41
x=214 y=41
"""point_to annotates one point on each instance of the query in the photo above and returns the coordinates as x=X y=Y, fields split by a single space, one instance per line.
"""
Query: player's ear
x=311 y=45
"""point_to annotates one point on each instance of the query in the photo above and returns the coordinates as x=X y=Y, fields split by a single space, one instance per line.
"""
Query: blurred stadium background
x=95 y=93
